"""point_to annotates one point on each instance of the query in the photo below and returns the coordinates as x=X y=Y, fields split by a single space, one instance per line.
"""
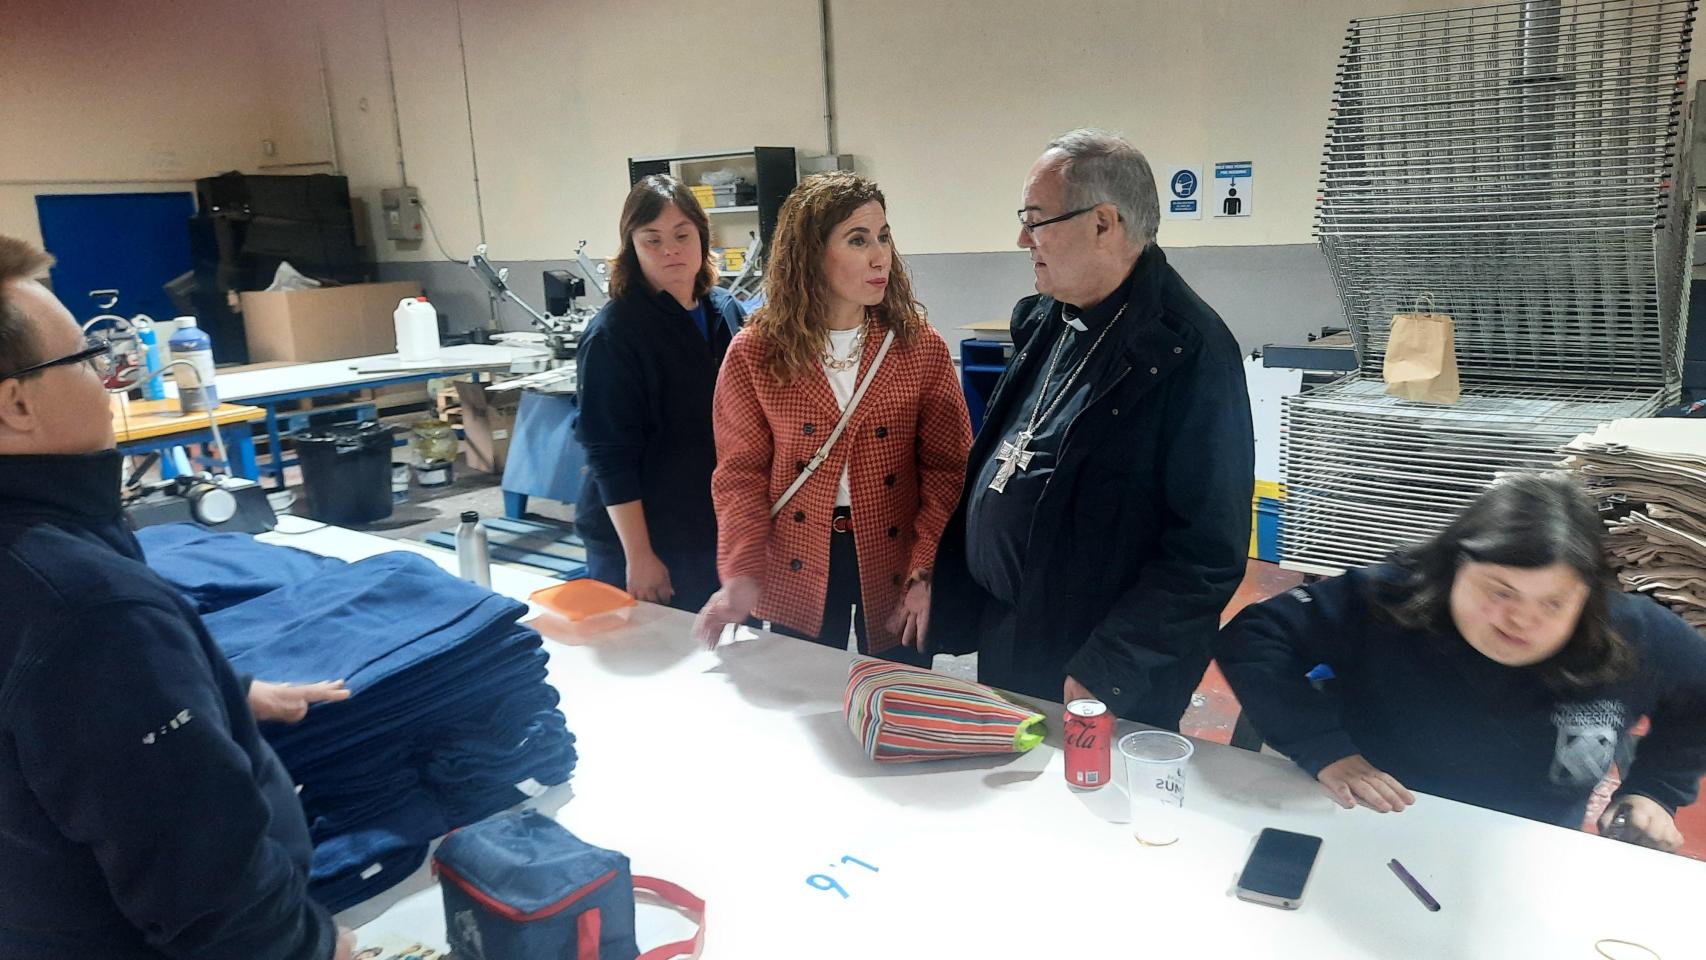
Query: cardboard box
x=331 y=323
x=488 y=419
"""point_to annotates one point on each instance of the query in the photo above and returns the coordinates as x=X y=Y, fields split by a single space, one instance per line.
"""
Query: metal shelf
x=750 y=208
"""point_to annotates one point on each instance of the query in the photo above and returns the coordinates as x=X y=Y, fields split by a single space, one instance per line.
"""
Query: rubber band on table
x=1599 y=948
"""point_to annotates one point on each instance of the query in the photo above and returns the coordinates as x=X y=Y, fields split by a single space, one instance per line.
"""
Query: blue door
x=134 y=242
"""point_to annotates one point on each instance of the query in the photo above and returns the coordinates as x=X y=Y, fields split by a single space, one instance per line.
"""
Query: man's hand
x=732 y=604
x=289 y=702
x=1076 y=691
x=1640 y=820
x=1354 y=779
x=912 y=618
x=346 y=945
x=648 y=578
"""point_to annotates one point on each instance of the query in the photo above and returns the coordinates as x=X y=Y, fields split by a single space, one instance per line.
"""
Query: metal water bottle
x=472 y=557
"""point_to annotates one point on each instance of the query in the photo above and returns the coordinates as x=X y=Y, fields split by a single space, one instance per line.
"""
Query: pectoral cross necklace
x=1015 y=455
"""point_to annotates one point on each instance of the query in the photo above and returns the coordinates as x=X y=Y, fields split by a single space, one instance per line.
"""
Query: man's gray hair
x=1103 y=167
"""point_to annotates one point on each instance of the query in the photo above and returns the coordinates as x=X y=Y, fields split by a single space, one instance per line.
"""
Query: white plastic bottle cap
x=183 y=322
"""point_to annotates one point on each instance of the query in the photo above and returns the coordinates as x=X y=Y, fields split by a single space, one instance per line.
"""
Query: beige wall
x=1196 y=83
x=946 y=102
x=563 y=94
x=143 y=95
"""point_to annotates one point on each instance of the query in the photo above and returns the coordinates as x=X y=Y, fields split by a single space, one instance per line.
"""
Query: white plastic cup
x=1155 y=762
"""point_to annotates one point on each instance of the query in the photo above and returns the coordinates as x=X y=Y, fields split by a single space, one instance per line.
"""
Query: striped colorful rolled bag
x=901 y=714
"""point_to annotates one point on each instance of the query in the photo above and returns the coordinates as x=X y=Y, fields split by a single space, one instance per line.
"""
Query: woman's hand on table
x=1354 y=780
x=1644 y=821
x=732 y=604
x=648 y=578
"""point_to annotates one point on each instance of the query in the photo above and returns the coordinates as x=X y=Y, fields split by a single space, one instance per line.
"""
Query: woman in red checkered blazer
x=855 y=544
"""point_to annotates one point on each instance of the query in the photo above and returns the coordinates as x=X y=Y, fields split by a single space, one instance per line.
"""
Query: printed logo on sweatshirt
x=182 y=718
x=1588 y=734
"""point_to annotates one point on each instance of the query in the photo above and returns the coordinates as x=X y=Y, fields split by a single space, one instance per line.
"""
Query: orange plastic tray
x=584 y=599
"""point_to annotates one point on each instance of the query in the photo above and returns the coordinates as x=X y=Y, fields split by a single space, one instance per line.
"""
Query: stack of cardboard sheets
x=1651 y=475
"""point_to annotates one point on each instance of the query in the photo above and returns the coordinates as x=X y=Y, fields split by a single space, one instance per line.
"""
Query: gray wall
x=462 y=297
x=1265 y=294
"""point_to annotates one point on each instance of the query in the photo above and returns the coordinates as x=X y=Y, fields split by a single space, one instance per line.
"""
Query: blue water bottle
x=152 y=388
x=196 y=392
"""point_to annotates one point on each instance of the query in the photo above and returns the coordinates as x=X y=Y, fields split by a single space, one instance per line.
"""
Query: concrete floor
x=430 y=509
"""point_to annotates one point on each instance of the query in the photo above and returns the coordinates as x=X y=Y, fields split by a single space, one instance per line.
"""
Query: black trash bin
x=346 y=473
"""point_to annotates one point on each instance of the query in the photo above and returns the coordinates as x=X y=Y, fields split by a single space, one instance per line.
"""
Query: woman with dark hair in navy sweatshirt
x=648 y=368
x=1497 y=664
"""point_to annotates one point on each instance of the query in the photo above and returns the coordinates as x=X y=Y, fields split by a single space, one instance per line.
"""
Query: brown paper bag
x=1421 y=357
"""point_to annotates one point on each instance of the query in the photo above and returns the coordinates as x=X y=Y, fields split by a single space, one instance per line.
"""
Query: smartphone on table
x=1278 y=869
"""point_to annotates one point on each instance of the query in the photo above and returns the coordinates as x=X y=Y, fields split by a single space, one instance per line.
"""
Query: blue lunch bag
x=519 y=886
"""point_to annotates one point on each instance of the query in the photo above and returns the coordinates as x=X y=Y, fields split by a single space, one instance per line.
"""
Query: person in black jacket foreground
x=141 y=813
x=647 y=369
x=1105 y=517
x=1497 y=664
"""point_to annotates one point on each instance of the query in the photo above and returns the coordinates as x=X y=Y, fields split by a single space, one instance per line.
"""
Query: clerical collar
x=1093 y=318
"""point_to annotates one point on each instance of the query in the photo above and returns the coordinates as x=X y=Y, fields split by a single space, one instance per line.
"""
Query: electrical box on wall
x=402 y=206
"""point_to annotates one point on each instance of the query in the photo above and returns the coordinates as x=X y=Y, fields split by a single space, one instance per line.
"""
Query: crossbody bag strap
x=846 y=416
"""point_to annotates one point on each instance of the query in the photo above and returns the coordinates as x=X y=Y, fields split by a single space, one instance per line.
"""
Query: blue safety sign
x=1185 y=184
x=1184 y=192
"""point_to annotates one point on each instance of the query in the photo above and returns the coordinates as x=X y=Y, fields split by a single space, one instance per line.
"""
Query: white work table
x=362 y=372
x=267 y=387
x=733 y=774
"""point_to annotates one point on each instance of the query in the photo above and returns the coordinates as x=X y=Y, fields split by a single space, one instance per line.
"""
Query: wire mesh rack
x=1517 y=163
x=1367 y=473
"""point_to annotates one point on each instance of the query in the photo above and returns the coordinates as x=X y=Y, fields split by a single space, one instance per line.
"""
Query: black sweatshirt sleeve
x=125 y=739
x=1671 y=758
x=1266 y=651
x=612 y=415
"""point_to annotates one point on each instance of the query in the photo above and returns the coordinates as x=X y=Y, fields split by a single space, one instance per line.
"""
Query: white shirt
x=843 y=383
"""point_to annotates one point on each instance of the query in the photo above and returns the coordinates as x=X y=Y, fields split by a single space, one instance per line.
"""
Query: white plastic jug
x=417 y=330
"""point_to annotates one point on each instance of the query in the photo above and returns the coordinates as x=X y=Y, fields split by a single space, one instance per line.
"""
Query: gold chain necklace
x=850 y=361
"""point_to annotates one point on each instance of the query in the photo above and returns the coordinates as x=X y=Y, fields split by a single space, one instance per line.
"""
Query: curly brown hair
x=645 y=203
x=792 y=323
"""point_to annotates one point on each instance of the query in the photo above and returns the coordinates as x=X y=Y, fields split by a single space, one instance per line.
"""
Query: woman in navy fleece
x=1497 y=664
x=648 y=368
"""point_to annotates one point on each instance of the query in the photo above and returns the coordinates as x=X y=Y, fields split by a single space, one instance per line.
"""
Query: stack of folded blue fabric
x=450 y=718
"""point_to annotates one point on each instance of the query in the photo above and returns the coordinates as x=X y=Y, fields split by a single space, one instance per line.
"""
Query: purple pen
x=1415 y=886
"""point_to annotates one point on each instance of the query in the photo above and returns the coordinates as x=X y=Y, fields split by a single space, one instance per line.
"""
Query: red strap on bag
x=589 y=930
x=677 y=897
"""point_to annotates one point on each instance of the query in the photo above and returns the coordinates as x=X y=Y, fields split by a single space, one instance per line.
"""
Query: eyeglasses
x=97 y=352
x=1031 y=228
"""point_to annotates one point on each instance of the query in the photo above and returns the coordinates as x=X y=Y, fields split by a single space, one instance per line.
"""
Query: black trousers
x=844 y=608
x=694 y=575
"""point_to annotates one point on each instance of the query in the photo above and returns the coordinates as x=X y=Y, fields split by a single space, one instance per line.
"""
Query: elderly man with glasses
x=1105 y=517
x=141 y=813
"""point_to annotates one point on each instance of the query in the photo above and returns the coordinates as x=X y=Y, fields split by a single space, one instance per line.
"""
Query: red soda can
x=1089 y=740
